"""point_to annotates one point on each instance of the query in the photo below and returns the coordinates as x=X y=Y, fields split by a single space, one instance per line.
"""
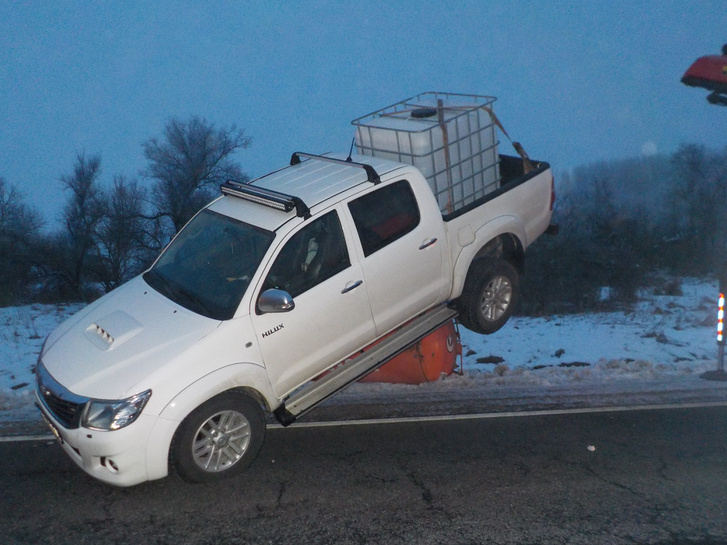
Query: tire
x=490 y=294
x=219 y=439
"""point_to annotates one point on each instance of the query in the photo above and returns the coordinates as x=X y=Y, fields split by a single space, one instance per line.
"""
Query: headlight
x=113 y=415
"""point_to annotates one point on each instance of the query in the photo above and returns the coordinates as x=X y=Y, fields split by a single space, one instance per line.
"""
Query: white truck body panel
x=113 y=371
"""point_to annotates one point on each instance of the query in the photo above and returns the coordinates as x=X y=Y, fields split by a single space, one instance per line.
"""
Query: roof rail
x=373 y=176
x=266 y=197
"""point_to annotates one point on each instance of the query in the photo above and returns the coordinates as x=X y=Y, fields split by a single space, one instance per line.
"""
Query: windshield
x=208 y=267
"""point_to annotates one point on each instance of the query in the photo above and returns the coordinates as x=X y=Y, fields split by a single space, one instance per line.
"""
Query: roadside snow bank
x=663 y=335
x=660 y=346
x=22 y=332
x=664 y=339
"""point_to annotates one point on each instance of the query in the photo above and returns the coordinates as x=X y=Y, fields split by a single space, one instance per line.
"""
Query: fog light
x=109 y=464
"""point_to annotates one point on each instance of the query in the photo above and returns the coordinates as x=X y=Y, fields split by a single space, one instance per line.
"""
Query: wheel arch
x=218 y=439
x=506 y=246
x=247 y=378
x=501 y=238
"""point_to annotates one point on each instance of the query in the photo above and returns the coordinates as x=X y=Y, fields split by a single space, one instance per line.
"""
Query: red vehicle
x=710 y=73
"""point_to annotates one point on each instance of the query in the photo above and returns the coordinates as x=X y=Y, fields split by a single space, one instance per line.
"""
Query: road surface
x=623 y=477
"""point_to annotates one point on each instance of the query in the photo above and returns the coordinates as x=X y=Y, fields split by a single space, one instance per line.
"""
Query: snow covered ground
x=664 y=340
x=22 y=332
x=664 y=336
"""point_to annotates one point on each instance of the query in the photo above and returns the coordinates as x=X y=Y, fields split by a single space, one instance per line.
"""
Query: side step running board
x=353 y=369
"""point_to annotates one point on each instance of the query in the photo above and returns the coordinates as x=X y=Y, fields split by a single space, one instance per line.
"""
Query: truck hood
x=108 y=349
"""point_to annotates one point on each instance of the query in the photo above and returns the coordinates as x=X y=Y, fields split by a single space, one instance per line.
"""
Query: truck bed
x=512 y=174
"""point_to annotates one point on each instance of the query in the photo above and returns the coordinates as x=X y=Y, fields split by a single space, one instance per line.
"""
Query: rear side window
x=385 y=215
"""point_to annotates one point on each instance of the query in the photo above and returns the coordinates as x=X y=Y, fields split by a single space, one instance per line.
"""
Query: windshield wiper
x=158 y=281
x=196 y=301
x=179 y=294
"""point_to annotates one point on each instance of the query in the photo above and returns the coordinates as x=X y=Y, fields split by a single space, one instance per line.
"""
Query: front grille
x=65 y=406
x=64 y=411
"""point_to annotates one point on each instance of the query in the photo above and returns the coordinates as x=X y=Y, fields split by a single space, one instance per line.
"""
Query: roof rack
x=373 y=176
x=266 y=197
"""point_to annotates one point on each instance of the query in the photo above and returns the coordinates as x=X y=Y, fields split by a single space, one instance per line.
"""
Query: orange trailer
x=426 y=361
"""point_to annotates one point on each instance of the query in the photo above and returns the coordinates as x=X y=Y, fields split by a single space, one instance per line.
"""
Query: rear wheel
x=489 y=296
x=219 y=439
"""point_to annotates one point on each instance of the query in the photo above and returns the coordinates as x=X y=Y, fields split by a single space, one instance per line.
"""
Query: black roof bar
x=373 y=176
x=266 y=197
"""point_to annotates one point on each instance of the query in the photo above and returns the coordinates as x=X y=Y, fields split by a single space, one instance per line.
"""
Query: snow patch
x=664 y=338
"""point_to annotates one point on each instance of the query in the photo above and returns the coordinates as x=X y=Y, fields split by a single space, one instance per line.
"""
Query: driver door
x=331 y=317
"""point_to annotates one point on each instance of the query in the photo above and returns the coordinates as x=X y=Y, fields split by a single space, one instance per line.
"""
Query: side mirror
x=275 y=301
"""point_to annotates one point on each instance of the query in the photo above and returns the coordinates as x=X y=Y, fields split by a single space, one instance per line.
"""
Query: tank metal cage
x=449 y=137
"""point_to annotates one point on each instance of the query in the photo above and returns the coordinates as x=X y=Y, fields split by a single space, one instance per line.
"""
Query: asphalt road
x=647 y=477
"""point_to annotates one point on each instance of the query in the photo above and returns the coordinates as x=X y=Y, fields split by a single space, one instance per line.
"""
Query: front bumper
x=120 y=457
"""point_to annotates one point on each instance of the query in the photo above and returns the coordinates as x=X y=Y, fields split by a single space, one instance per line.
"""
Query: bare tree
x=605 y=241
x=81 y=218
x=122 y=250
x=20 y=228
x=698 y=204
x=187 y=162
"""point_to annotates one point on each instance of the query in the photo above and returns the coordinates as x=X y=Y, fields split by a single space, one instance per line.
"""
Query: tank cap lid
x=421 y=113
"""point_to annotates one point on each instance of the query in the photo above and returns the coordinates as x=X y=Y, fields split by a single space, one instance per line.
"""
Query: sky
x=576 y=82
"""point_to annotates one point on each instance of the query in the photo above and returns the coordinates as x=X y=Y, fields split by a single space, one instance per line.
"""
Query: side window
x=312 y=255
x=384 y=215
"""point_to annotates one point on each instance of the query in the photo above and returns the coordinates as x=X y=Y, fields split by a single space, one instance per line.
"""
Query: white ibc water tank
x=449 y=138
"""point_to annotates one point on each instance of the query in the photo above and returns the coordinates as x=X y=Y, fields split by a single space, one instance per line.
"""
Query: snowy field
x=664 y=338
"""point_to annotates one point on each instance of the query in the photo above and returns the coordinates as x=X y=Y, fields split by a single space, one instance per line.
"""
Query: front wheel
x=219 y=439
x=489 y=296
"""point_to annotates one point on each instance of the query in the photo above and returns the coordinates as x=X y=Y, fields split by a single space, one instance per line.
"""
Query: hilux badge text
x=273 y=330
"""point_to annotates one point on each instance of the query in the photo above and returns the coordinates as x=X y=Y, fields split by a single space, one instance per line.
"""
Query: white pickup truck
x=275 y=296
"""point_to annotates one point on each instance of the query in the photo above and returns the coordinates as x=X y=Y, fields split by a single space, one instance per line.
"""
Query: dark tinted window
x=384 y=215
x=312 y=255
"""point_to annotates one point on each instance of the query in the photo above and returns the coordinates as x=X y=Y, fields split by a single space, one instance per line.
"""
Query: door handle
x=428 y=243
x=352 y=286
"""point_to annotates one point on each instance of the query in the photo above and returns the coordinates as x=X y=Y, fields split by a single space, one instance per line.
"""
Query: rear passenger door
x=402 y=257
